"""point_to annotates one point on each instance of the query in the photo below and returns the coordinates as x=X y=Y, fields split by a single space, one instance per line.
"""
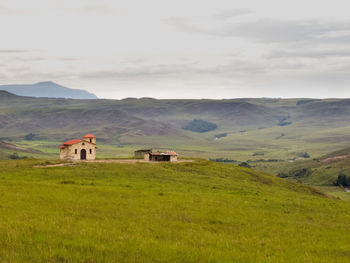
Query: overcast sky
x=179 y=49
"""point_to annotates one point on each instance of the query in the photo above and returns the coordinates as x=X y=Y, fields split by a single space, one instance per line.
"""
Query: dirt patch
x=334 y=159
x=53 y=165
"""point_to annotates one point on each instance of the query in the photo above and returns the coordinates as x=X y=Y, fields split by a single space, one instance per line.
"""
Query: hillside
x=189 y=212
x=245 y=129
x=48 y=90
x=321 y=171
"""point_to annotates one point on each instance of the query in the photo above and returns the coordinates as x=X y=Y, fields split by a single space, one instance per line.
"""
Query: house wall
x=173 y=158
x=65 y=154
x=160 y=158
x=141 y=154
x=147 y=157
x=68 y=153
x=93 y=140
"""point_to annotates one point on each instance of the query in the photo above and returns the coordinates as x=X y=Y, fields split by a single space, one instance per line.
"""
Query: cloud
x=309 y=53
x=270 y=30
x=145 y=71
x=8 y=11
x=103 y=9
x=10 y=51
x=227 y=14
x=236 y=67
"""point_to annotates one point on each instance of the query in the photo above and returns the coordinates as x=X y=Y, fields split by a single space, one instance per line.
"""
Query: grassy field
x=188 y=212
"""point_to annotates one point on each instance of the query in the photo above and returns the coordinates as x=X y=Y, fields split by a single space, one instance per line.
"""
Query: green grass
x=336 y=191
x=188 y=212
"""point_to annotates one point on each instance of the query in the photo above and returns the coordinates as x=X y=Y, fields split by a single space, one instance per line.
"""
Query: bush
x=282 y=175
x=223 y=160
x=343 y=180
x=244 y=164
x=302 y=172
x=32 y=137
x=220 y=135
x=284 y=123
x=15 y=156
x=305 y=155
x=200 y=126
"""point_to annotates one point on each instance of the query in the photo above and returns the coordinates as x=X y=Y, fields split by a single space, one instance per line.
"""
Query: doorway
x=83 y=154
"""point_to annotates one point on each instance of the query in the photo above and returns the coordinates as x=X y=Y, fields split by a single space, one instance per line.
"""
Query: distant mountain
x=47 y=90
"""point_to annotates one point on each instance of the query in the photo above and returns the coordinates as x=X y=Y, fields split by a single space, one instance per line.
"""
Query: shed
x=140 y=154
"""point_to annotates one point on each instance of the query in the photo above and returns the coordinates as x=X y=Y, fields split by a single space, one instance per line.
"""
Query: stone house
x=78 y=149
x=169 y=156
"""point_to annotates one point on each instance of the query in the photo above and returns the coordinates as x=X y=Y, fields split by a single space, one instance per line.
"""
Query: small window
x=76 y=151
x=90 y=140
x=90 y=151
x=83 y=143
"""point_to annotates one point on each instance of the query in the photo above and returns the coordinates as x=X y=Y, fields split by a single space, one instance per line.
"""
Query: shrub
x=220 y=135
x=32 y=137
x=284 y=123
x=305 y=155
x=200 y=126
x=343 y=180
x=223 y=160
x=302 y=172
x=244 y=164
x=15 y=156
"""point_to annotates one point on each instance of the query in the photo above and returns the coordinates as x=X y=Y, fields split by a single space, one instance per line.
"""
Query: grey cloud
x=227 y=14
x=5 y=10
x=94 y=9
x=183 y=70
x=155 y=70
x=309 y=53
x=27 y=73
x=271 y=31
x=268 y=30
x=14 y=51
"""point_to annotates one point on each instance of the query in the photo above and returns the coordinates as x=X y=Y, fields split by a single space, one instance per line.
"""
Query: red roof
x=89 y=135
x=71 y=142
x=62 y=147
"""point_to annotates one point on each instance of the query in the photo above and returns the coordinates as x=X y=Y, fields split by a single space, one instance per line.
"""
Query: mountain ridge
x=47 y=89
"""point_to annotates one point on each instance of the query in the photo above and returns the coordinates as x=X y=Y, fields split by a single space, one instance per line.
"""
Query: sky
x=179 y=49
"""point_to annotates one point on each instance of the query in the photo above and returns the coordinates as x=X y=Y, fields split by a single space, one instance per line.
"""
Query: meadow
x=163 y=212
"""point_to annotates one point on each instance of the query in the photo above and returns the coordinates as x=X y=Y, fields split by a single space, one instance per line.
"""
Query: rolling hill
x=322 y=171
x=188 y=212
x=274 y=128
x=47 y=89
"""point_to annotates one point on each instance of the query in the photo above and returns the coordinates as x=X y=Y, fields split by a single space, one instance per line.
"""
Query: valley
x=271 y=135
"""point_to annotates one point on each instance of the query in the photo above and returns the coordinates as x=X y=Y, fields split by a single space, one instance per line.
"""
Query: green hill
x=318 y=171
x=277 y=128
x=187 y=212
x=9 y=150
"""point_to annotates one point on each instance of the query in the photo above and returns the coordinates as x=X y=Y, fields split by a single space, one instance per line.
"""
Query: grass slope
x=322 y=171
x=189 y=212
